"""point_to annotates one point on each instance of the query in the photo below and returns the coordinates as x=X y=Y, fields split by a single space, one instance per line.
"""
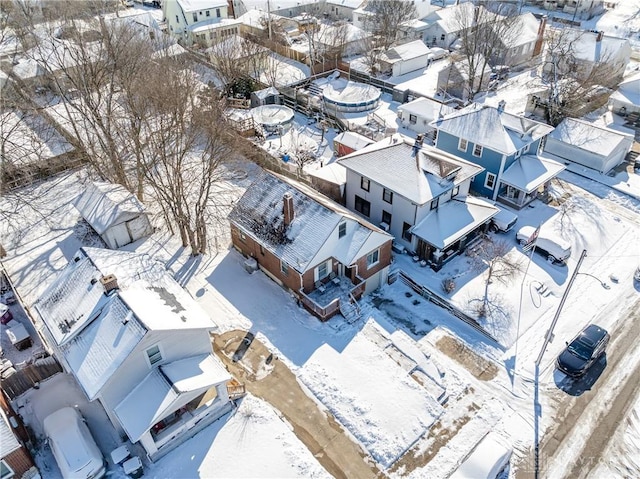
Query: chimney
x=109 y=282
x=537 y=48
x=501 y=105
x=287 y=208
x=599 y=36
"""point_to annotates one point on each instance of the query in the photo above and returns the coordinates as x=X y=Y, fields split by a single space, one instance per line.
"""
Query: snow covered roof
x=528 y=172
x=406 y=51
x=104 y=205
x=446 y=17
x=96 y=331
x=212 y=24
x=628 y=91
x=587 y=136
x=165 y=389
x=254 y=18
x=259 y=213
x=419 y=178
x=452 y=220
x=194 y=5
x=426 y=108
x=497 y=130
x=264 y=93
x=8 y=439
x=333 y=173
x=528 y=26
x=586 y=46
x=353 y=140
x=346 y=3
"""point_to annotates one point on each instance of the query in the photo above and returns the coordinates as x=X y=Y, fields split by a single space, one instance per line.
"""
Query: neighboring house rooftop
x=96 y=331
x=426 y=108
x=420 y=177
x=8 y=439
x=588 y=137
x=492 y=128
x=346 y=3
x=404 y=52
x=451 y=18
x=628 y=91
x=260 y=214
x=586 y=46
x=104 y=205
x=527 y=30
x=353 y=140
x=197 y=5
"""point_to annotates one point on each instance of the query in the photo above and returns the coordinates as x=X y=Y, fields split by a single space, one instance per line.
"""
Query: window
x=195 y=17
x=363 y=206
x=373 y=258
x=323 y=271
x=455 y=192
x=442 y=37
x=386 y=217
x=243 y=237
x=364 y=183
x=405 y=231
x=462 y=144
x=154 y=355
x=261 y=250
x=342 y=229
x=490 y=180
x=526 y=149
x=413 y=119
x=518 y=154
x=434 y=203
x=284 y=267
x=208 y=13
x=387 y=195
x=477 y=150
x=218 y=12
x=177 y=19
x=5 y=471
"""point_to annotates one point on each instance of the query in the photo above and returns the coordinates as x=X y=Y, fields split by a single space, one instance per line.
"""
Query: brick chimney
x=109 y=282
x=287 y=208
x=599 y=36
x=537 y=48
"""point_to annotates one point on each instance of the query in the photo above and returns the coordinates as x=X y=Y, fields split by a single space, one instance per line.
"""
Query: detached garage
x=114 y=213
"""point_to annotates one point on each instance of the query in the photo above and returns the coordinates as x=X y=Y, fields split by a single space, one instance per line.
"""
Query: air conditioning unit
x=384 y=226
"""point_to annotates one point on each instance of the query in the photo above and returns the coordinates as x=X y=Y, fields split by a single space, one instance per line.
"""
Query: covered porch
x=173 y=402
x=331 y=296
x=447 y=231
x=521 y=183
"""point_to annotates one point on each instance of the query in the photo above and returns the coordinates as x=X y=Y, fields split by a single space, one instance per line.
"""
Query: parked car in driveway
x=584 y=350
x=504 y=220
x=556 y=249
x=73 y=446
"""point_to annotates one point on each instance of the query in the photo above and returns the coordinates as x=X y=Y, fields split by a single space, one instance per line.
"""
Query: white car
x=74 y=448
x=487 y=461
x=556 y=249
x=504 y=220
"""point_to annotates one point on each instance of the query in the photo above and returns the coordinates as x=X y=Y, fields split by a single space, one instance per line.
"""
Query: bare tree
x=385 y=17
x=237 y=58
x=493 y=256
x=486 y=32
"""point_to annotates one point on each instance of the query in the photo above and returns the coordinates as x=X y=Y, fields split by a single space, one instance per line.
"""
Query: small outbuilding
x=114 y=213
x=417 y=114
x=348 y=142
x=586 y=144
x=405 y=58
x=267 y=96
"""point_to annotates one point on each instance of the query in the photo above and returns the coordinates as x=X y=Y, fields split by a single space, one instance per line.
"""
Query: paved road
x=268 y=378
x=588 y=403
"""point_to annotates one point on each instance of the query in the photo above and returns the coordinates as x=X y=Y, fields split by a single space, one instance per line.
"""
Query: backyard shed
x=114 y=213
x=405 y=58
x=348 y=142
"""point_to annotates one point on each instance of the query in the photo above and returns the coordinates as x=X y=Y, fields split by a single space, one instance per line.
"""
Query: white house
x=199 y=21
x=444 y=25
x=114 y=213
x=580 y=9
x=522 y=47
x=419 y=194
x=417 y=114
x=626 y=99
x=586 y=144
x=405 y=58
x=360 y=15
x=138 y=343
x=342 y=9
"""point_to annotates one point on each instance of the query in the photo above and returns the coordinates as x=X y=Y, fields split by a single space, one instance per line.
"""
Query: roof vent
x=110 y=283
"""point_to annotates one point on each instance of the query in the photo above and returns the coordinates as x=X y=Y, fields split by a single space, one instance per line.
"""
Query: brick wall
x=248 y=247
x=19 y=461
x=384 y=261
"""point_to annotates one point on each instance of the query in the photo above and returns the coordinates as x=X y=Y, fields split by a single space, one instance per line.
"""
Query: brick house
x=15 y=460
x=326 y=255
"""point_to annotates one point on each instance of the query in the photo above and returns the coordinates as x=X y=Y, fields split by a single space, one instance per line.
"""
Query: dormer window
x=154 y=355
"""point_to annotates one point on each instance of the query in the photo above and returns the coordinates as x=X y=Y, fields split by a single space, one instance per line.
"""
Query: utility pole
x=269 y=18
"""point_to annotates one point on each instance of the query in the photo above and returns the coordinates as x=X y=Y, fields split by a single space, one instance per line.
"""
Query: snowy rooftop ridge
x=406 y=51
x=393 y=164
x=259 y=213
x=104 y=205
x=492 y=128
x=589 y=137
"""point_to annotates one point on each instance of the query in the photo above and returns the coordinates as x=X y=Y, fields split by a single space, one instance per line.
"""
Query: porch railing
x=322 y=312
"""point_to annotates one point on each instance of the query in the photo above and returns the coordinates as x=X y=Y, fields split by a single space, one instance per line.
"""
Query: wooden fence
x=29 y=376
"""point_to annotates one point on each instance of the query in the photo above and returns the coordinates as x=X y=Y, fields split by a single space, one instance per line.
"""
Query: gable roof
x=196 y=5
x=589 y=137
x=528 y=26
x=497 y=130
x=393 y=164
x=94 y=331
x=104 y=205
x=259 y=213
x=426 y=108
x=406 y=51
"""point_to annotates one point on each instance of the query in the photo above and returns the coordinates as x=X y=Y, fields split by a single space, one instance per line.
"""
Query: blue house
x=505 y=145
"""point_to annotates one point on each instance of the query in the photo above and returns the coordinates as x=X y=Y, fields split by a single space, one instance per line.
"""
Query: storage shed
x=114 y=213
x=405 y=58
x=348 y=142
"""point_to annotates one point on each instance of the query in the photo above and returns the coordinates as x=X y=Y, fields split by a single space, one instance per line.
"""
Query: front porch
x=332 y=295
